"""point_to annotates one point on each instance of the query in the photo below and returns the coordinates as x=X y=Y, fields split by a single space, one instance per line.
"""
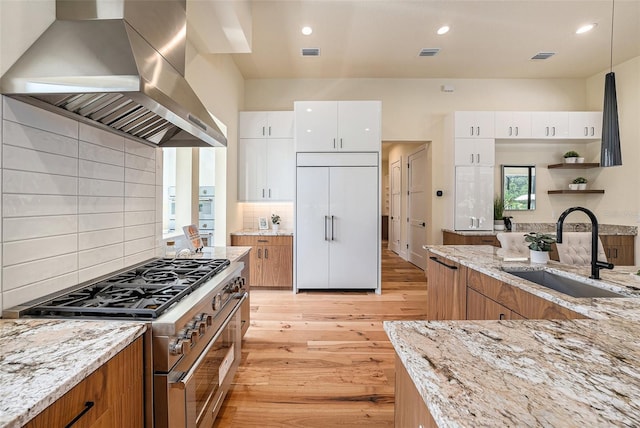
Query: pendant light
x=610 y=154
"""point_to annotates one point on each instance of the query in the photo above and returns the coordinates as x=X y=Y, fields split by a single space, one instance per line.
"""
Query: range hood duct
x=117 y=64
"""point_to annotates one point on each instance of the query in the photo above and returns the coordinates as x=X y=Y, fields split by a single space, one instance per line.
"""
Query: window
x=519 y=187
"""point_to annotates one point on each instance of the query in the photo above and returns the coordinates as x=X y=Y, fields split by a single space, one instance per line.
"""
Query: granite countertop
x=40 y=360
x=267 y=232
x=580 y=373
x=603 y=229
x=231 y=253
x=529 y=372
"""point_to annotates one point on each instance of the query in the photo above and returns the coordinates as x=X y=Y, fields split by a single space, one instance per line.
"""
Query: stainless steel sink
x=563 y=284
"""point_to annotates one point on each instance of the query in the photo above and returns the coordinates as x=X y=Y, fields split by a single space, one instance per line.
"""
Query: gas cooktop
x=143 y=292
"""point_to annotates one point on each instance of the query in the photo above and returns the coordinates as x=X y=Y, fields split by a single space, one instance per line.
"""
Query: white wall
x=77 y=202
x=414 y=110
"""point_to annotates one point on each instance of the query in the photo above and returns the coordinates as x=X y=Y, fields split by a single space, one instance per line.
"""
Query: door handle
x=326 y=219
x=332 y=228
x=423 y=224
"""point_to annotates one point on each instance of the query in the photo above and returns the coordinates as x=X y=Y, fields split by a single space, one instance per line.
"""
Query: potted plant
x=571 y=156
x=539 y=246
x=498 y=209
x=581 y=182
x=275 y=222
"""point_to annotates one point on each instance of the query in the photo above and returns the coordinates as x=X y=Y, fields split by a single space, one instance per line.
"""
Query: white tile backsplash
x=101 y=154
x=15 y=134
x=31 y=160
x=38 y=227
x=35 y=249
x=253 y=211
x=26 y=182
x=71 y=210
x=26 y=114
x=17 y=205
x=100 y=171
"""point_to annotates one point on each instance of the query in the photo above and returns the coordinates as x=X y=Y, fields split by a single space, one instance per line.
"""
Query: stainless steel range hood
x=117 y=64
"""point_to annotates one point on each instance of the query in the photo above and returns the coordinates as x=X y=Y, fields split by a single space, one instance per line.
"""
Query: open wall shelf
x=574 y=165
x=566 y=192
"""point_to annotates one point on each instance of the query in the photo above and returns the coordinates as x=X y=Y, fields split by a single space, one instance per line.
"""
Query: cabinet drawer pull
x=87 y=406
x=435 y=259
x=263 y=240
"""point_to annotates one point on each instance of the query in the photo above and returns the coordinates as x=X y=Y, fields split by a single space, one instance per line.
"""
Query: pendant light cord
x=613 y=7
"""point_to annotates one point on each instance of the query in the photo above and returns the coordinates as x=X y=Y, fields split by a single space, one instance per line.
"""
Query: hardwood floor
x=322 y=359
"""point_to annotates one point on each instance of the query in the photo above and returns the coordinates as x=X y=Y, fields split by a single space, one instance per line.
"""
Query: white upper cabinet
x=585 y=124
x=549 y=125
x=474 y=124
x=266 y=157
x=327 y=126
x=266 y=124
x=475 y=151
x=513 y=124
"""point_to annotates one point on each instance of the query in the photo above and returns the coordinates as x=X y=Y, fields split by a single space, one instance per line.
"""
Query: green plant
x=571 y=154
x=579 y=180
x=275 y=219
x=498 y=208
x=539 y=241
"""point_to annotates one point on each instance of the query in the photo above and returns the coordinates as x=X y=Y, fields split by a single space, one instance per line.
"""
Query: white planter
x=275 y=227
x=541 y=257
x=570 y=160
x=498 y=225
x=573 y=186
x=582 y=186
x=579 y=160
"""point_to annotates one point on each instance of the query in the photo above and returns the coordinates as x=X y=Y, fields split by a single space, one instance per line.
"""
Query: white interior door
x=312 y=227
x=354 y=206
x=396 y=201
x=417 y=233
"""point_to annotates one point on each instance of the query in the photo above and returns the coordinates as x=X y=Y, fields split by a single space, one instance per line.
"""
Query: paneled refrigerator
x=337 y=221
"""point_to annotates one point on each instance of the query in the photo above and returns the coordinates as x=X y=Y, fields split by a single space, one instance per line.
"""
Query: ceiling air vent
x=543 y=55
x=429 y=52
x=310 y=51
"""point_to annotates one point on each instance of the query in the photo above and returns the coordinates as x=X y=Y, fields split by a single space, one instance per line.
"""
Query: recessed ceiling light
x=443 y=30
x=307 y=30
x=586 y=28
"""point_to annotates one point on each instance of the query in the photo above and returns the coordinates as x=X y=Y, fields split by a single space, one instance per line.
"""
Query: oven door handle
x=182 y=383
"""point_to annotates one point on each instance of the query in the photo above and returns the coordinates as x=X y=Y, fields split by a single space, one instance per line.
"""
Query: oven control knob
x=217 y=302
x=193 y=336
x=206 y=319
x=179 y=347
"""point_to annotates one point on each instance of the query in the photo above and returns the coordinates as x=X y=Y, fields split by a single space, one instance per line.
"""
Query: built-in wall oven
x=193 y=308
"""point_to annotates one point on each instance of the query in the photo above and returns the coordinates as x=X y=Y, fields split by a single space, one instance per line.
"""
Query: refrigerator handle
x=332 y=227
x=326 y=219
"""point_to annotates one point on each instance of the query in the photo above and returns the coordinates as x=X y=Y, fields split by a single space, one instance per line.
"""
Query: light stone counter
x=603 y=229
x=258 y=232
x=581 y=373
x=231 y=253
x=573 y=373
x=40 y=360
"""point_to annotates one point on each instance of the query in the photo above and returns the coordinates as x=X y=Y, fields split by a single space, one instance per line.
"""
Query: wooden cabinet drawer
x=446 y=289
x=115 y=391
x=480 y=307
x=519 y=301
x=254 y=241
x=449 y=238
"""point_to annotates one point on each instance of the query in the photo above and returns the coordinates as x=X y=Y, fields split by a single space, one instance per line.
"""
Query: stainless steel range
x=192 y=306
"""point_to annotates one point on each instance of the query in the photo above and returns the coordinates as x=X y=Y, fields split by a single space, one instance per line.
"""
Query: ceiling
x=488 y=39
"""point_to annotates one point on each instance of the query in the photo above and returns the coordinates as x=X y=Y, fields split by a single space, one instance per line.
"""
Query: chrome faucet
x=596 y=265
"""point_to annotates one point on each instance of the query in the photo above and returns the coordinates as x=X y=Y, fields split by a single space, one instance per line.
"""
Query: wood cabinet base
x=410 y=409
x=270 y=260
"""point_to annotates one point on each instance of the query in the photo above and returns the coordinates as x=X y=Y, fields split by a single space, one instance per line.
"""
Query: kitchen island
x=583 y=372
x=42 y=359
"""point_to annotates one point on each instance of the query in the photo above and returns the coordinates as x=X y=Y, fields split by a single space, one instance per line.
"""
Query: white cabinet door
x=252 y=124
x=252 y=173
x=550 y=125
x=316 y=125
x=474 y=124
x=474 y=198
x=585 y=124
x=475 y=152
x=280 y=124
x=353 y=206
x=359 y=126
x=312 y=227
x=513 y=124
x=266 y=124
x=280 y=169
